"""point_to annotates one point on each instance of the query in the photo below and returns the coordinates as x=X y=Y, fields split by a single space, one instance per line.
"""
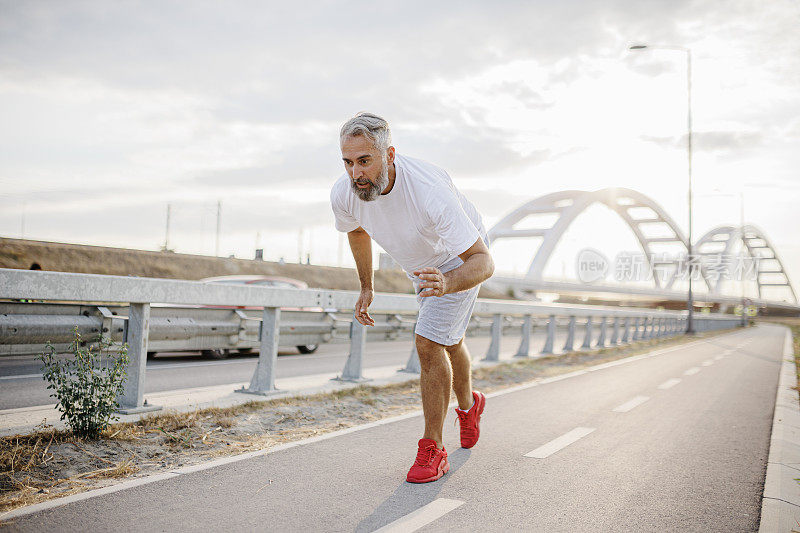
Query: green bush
x=86 y=386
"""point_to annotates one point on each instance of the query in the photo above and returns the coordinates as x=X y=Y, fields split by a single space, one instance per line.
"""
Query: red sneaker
x=430 y=465
x=471 y=420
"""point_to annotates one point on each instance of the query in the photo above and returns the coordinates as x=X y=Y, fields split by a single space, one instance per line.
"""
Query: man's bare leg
x=435 y=379
x=462 y=374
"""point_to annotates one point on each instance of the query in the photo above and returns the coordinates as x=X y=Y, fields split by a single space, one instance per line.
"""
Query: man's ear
x=390 y=155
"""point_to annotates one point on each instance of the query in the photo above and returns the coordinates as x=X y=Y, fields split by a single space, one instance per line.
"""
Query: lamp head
x=638 y=47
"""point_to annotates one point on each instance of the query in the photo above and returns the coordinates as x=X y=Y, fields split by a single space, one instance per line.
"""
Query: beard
x=374 y=190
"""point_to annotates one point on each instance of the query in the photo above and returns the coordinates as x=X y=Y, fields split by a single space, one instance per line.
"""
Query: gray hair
x=371 y=126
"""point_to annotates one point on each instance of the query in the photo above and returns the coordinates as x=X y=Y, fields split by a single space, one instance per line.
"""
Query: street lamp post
x=690 y=245
x=742 y=251
x=741 y=254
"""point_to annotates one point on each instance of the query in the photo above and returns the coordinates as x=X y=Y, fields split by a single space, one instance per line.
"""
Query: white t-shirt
x=424 y=221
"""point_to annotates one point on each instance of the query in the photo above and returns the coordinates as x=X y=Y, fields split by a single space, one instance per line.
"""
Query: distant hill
x=64 y=257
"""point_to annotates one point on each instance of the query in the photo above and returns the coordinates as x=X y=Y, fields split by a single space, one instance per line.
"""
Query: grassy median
x=50 y=463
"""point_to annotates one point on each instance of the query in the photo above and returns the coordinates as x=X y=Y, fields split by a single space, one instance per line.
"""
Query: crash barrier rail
x=615 y=325
x=26 y=327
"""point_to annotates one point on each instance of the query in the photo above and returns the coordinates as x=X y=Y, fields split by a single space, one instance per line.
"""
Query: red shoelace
x=425 y=455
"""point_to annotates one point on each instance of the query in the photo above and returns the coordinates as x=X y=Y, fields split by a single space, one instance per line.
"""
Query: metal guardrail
x=26 y=327
x=143 y=320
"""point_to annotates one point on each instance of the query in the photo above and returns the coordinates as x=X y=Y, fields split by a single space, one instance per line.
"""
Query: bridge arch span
x=567 y=205
x=722 y=239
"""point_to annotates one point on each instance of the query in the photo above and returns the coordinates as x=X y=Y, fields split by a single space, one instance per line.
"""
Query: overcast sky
x=112 y=110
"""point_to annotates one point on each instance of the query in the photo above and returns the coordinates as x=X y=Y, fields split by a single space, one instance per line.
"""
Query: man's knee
x=428 y=350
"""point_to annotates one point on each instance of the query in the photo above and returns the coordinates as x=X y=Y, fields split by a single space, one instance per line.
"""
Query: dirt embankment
x=62 y=257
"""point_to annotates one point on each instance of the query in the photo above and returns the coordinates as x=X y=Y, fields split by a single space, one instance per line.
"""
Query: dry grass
x=49 y=463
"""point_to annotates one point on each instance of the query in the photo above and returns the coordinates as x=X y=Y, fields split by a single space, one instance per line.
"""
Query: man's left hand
x=433 y=282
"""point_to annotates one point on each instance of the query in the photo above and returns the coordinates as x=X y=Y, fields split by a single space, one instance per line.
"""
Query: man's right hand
x=362 y=304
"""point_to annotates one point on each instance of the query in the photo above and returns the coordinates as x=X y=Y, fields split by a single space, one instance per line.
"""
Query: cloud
x=495 y=202
x=299 y=165
x=155 y=102
x=726 y=142
x=466 y=152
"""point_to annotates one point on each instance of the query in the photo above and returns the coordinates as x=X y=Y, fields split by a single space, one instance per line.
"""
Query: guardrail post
x=551 y=335
x=263 y=380
x=626 y=331
x=131 y=399
x=493 y=353
x=569 y=345
x=615 y=332
x=601 y=342
x=525 y=341
x=412 y=366
x=358 y=342
x=636 y=333
x=587 y=338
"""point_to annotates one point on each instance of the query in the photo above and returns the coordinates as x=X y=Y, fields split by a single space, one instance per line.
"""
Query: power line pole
x=300 y=246
x=219 y=225
x=166 y=232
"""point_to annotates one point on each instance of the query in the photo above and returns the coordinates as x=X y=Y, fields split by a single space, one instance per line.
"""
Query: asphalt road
x=674 y=442
x=21 y=383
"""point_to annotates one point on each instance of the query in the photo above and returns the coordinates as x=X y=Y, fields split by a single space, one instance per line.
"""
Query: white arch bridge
x=548 y=217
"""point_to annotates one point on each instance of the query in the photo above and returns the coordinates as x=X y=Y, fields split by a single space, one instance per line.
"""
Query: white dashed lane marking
x=707 y=363
x=718 y=357
x=421 y=517
x=669 y=383
x=561 y=442
x=692 y=371
x=627 y=406
x=23 y=376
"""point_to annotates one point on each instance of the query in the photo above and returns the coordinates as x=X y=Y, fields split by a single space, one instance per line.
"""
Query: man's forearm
x=361 y=246
x=477 y=268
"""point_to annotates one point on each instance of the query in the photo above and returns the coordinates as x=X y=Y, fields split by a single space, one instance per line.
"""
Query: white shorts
x=444 y=319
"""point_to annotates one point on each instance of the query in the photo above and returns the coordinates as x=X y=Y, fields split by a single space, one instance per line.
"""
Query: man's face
x=367 y=167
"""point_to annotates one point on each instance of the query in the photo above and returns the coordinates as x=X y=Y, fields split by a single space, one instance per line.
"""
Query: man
x=413 y=210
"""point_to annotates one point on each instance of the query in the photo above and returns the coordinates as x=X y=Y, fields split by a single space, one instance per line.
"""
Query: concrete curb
x=780 y=506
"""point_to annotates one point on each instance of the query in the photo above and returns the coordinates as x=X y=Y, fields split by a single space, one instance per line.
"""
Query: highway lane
x=691 y=456
x=21 y=383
